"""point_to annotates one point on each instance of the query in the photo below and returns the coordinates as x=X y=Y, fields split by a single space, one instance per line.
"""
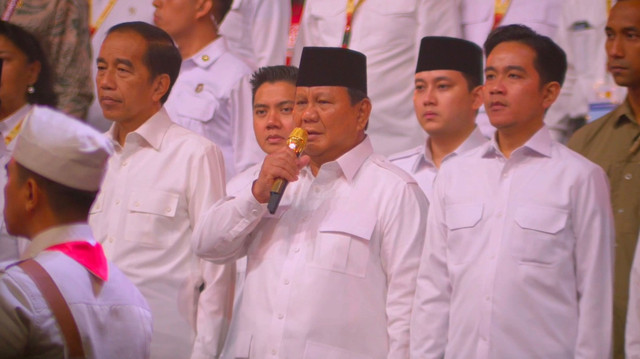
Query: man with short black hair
x=54 y=175
x=331 y=273
x=519 y=255
x=159 y=180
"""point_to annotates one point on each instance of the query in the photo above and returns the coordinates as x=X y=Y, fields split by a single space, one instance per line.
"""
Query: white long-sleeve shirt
x=154 y=191
x=518 y=261
x=332 y=273
x=389 y=34
x=258 y=30
x=212 y=97
x=418 y=162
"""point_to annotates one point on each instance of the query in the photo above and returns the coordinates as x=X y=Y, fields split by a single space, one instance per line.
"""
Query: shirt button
x=621 y=210
x=487 y=298
x=125 y=163
x=296 y=250
x=254 y=211
x=167 y=210
x=110 y=239
x=628 y=176
x=273 y=352
x=117 y=202
x=505 y=175
x=137 y=204
x=280 y=316
x=286 y=282
x=205 y=57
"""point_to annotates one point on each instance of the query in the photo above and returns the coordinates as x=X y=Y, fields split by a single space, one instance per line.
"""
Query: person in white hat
x=54 y=174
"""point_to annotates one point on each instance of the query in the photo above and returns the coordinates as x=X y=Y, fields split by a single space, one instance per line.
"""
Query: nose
x=105 y=79
x=429 y=97
x=273 y=120
x=309 y=114
x=494 y=86
x=614 y=46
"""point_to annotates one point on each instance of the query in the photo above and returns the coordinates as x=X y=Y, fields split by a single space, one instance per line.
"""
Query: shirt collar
x=475 y=139
x=350 y=162
x=58 y=235
x=152 y=131
x=210 y=53
x=12 y=120
x=540 y=142
x=623 y=113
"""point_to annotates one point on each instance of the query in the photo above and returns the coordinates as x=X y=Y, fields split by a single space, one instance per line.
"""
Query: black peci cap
x=333 y=66
x=449 y=53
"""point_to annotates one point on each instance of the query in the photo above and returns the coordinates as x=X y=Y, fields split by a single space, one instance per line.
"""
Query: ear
x=33 y=195
x=364 y=110
x=550 y=93
x=160 y=86
x=203 y=8
x=33 y=71
x=477 y=97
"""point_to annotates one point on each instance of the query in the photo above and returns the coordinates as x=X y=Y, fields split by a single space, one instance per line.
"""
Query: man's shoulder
x=592 y=130
x=384 y=168
x=180 y=137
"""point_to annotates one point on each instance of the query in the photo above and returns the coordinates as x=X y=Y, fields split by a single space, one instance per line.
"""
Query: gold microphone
x=297 y=141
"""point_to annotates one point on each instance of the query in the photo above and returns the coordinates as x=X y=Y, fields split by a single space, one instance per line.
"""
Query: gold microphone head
x=297 y=140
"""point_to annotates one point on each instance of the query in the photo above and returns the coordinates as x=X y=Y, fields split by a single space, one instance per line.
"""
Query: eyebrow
x=508 y=68
x=286 y=102
x=119 y=61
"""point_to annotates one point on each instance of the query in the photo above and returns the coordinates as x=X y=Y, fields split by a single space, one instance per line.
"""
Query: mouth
x=312 y=135
x=616 y=69
x=275 y=139
x=497 y=106
x=429 y=115
x=107 y=100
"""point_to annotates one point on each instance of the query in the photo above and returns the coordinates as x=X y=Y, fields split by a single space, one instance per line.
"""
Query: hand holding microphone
x=297 y=141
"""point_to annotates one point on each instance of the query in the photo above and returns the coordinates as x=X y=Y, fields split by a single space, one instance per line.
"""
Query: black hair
x=550 y=61
x=272 y=74
x=161 y=57
x=29 y=45
x=67 y=203
x=220 y=9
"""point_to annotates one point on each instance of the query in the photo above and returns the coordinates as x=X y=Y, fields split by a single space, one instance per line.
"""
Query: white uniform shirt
x=519 y=257
x=565 y=22
x=332 y=273
x=258 y=30
x=212 y=97
x=114 y=322
x=418 y=161
x=10 y=246
x=632 y=331
x=122 y=11
x=154 y=191
x=389 y=34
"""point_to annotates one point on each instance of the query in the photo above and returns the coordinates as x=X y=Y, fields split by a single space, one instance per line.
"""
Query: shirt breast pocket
x=463 y=241
x=536 y=238
x=151 y=215
x=198 y=107
x=343 y=243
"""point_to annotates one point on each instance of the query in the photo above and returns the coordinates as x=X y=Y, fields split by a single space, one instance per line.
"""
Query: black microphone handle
x=276 y=194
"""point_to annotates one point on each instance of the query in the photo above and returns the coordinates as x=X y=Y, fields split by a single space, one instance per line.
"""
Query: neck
x=203 y=33
x=6 y=111
x=633 y=94
x=441 y=146
x=123 y=128
x=510 y=139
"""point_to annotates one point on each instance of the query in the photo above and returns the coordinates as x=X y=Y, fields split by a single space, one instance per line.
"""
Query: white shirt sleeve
x=632 y=331
x=246 y=150
x=594 y=253
x=270 y=31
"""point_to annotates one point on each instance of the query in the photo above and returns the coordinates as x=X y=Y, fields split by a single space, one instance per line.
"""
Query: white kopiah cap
x=62 y=149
